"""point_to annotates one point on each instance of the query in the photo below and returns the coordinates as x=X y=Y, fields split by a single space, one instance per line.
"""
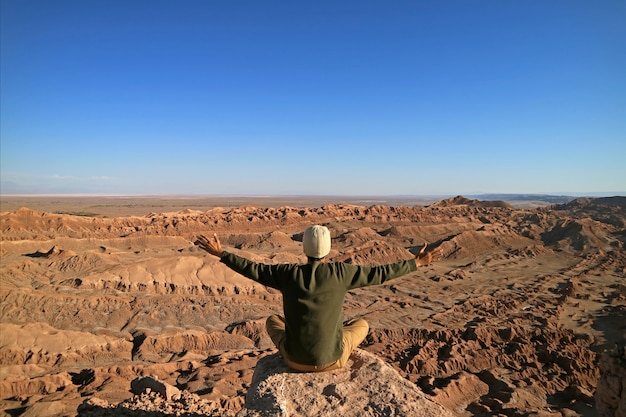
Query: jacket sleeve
x=269 y=275
x=363 y=276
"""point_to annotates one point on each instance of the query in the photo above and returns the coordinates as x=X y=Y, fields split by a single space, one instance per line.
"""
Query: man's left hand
x=213 y=246
x=425 y=257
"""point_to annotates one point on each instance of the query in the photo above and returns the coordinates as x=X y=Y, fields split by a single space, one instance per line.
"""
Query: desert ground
x=524 y=316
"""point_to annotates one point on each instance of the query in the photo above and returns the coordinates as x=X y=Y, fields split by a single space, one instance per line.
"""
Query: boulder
x=366 y=386
x=149 y=384
x=611 y=390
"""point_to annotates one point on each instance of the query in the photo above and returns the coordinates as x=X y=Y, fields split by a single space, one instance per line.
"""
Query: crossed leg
x=354 y=332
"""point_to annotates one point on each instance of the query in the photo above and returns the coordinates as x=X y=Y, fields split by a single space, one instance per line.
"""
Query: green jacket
x=313 y=299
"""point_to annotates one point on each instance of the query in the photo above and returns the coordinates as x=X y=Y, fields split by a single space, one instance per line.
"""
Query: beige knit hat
x=316 y=241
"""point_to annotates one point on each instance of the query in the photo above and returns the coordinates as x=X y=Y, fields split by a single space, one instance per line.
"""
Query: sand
x=512 y=321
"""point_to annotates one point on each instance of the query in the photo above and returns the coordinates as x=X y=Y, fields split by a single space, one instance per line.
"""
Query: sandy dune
x=512 y=322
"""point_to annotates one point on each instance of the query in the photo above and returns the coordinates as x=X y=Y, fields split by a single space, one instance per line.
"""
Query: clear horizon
x=351 y=196
x=411 y=98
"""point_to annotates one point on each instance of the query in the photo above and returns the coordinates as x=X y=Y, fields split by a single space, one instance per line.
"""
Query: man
x=311 y=336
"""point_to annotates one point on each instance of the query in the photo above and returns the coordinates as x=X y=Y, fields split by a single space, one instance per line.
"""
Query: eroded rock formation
x=511 y=322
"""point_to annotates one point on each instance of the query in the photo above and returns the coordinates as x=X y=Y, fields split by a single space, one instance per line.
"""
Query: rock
x=611 y=390
x=367 y=386
x=149 y=383
x=460 y=391
x=151 y=404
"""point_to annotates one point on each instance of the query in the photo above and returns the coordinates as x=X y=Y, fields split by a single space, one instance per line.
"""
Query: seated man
x=311 y=336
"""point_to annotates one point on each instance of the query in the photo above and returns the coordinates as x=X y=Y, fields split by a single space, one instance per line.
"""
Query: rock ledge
x=367 y=386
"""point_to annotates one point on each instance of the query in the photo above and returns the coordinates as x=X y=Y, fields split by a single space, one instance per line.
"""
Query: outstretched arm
x=425 y=257
x=213 y=246
x=269 y=275
x=362 y=276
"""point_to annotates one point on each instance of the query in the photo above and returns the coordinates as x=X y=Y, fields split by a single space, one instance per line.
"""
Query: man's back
x=311 y=337
x=313 y=297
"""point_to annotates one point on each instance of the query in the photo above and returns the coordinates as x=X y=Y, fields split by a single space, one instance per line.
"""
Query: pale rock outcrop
x=367 y=386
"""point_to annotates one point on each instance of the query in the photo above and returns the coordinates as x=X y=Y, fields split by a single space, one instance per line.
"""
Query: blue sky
x=313 y=98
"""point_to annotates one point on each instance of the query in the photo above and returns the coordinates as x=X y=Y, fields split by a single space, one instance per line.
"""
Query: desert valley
x=524 y=316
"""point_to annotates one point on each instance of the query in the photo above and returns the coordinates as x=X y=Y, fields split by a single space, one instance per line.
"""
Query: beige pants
x=353 y=334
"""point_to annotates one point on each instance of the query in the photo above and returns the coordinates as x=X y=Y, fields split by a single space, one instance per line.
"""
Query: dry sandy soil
x=512 y=321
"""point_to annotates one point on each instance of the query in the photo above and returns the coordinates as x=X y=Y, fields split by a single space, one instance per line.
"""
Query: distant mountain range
x=547 y=198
